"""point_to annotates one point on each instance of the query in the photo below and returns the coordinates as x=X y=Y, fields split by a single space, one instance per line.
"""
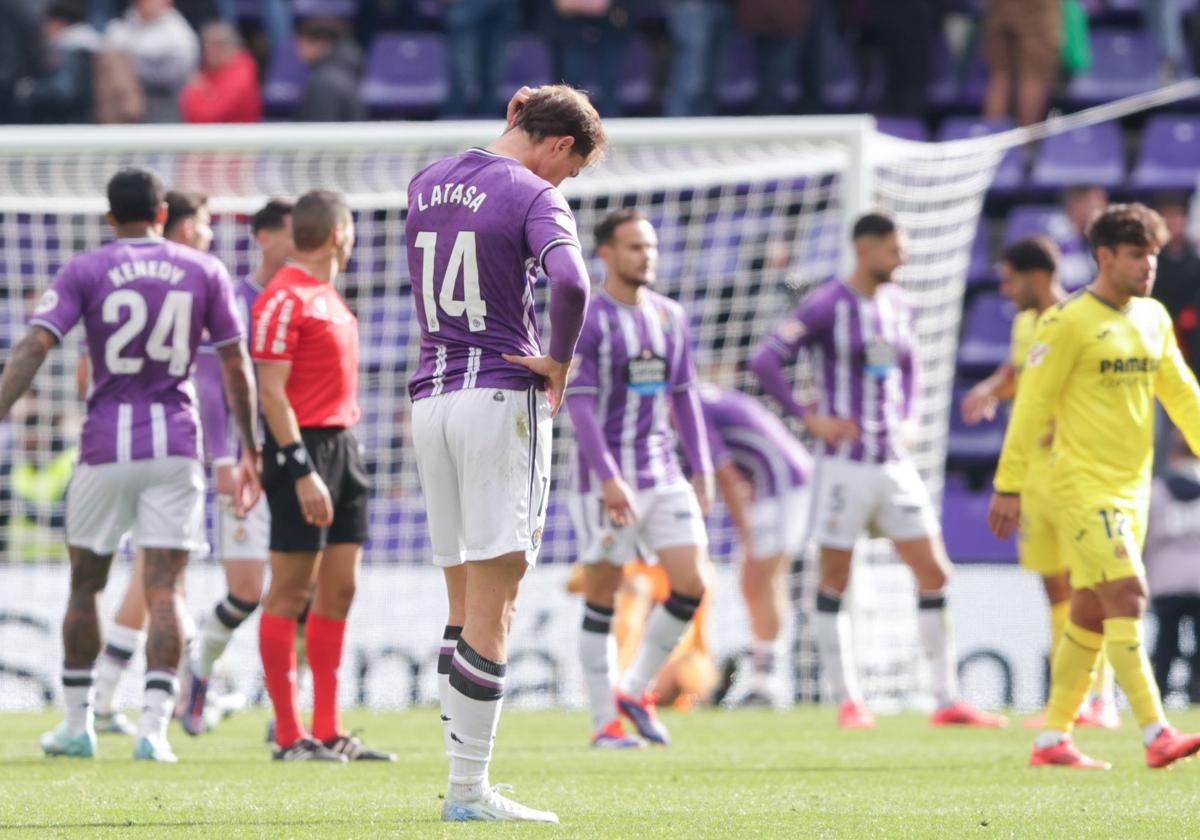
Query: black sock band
x=476 y=676
x=828 y=602
x=682 y=607
x=597 y=619
x=931 y=601
x=118 y=653
x=450 y=637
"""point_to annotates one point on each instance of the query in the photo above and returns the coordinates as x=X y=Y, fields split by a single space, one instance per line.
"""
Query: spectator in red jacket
x=226 y=88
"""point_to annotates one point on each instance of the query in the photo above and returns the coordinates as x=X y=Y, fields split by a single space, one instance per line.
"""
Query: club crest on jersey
x=48 y=301
x=1037 y=353
x=646 y=374
x=880 y=358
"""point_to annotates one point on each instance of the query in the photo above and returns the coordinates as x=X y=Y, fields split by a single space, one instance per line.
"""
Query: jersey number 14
x=462 y=260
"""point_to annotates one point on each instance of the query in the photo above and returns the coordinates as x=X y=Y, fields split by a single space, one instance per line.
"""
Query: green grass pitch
x=729 y=774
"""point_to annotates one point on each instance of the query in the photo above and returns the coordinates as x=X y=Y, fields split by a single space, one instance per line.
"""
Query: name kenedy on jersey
x=468 y=195
x=127 y=272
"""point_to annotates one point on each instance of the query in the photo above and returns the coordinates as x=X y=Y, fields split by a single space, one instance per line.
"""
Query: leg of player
x=1100 y=708
x=664 y=628
x=244 y=583
x=764 y=588
x=1058 y=598
x=456 y=596
x=124 y=640
x=930 y=565
x=293 y=576
x=598 y=654
x=76 y=736
x=1124 y=604
x=324 y=639
x=477 y=671
x=1070 y=674
x=164 y=647
x=835 y=644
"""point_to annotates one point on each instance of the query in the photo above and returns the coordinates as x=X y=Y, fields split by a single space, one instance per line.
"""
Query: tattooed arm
x=22 y=365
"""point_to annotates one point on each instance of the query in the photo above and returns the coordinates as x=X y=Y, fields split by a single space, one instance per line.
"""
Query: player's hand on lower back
x=1004 y=515
x=702 y=485
x=618 y=501
x=978 y=405
x=246 y=480
x=553 y=371
x=517 y=103
x=225 y=478
x=831 y=430
x=314 y=500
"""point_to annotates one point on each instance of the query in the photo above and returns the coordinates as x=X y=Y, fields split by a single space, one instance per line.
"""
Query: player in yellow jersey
x=1098 y=361
x=1029 y=279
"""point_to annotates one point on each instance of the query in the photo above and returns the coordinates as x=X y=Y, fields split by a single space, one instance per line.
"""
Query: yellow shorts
x=1037 y=541
x=1102 y=541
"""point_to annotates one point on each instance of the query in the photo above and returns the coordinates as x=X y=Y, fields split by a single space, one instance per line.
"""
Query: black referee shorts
x=337 y=459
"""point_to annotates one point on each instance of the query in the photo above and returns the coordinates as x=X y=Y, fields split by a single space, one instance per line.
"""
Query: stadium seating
x=526 y=62
x=1124 y=62
x=1089 y=155
x=981 y=269
x=1075 y=268
x=737 y=85
x=1010 y=174
x=986 y=331
x=285 y=80
x=973 y=445
x=345 y=9
x=1170 y=153
x=407 y=75
x=964 y=526
x=908 y=128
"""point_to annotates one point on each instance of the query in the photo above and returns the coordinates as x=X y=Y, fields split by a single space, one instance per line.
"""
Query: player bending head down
x=144 y=303
x=482 y=226
x=863 y=333
x=635 y=371
x=1098 y=361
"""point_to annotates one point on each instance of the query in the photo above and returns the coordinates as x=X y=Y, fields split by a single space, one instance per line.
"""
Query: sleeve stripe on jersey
x=581 y=389
x=231 y=340
x=551 y=244
x=779 y=347
x=38 y=322
x=683 y=386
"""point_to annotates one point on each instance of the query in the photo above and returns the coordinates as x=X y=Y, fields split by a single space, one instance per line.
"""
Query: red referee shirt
x=304 y=321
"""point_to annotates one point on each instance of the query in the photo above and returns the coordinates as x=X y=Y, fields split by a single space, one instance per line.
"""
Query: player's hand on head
x=618 y=501
x=1004 y=515
x=553 y=371
x=517 y=103
x=247 y=484
x=978 y=405
x=315 y=502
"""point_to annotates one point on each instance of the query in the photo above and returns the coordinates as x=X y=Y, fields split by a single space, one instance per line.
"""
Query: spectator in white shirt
x=165 y=52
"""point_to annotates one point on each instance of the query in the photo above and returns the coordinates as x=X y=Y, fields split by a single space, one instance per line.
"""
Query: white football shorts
x=483 y=458
x=160 y=502
x=668 y=517
x=855 y=498
x=780 y=523
x=241 y=539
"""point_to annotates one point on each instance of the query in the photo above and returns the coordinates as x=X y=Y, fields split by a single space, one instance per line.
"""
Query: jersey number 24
x=168 y=341
x=462 y=260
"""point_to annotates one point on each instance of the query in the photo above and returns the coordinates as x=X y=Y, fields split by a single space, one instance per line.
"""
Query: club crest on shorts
x=239 y=534
x=536 y=540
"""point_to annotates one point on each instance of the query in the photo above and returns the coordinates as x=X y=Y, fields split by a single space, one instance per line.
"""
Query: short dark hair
x=1127 y=224
x=182 y=205
x=327 y=29
x=68 y=11
x=314 y=217
x=1033 y=253
x=272 y=214
x=563 y=111
x=607 y=229
x=135 y=194
x=875 y=223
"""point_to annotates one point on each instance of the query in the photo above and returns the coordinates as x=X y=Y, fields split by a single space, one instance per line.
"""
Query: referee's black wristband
x=294 y=459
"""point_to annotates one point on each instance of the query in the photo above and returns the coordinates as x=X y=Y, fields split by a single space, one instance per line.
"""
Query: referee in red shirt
x=305 y=341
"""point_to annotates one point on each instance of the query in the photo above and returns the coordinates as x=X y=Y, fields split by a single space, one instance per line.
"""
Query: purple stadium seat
x=247 y=9
x=737 y=85
x=908 y=128
x=1010 y=174
x=526 y=62
x=285 y=80
x=1124 y=62
x=345 y=9
x=964 y=525
x=1170 y=154
x=637 y=75
x=981 y=270
x=406 y=74
x=841 y=88
x=987 y=328
x=976 y=444
x=1076 y=267
x=1090 y=155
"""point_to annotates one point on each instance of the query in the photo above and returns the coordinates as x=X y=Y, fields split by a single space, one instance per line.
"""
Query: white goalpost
x=751 y=213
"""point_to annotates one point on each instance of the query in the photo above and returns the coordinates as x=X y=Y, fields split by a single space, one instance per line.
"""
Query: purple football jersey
x=863 y=355
x=743 y=431
x=632 y=358
x=479 y=226
x=220 y=435
x=144 y=304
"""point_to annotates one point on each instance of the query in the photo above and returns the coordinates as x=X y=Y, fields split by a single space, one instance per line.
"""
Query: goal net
x=751 y=216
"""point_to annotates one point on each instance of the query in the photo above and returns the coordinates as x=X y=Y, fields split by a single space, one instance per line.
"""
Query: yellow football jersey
x=1096 y=370
x=1023 y=330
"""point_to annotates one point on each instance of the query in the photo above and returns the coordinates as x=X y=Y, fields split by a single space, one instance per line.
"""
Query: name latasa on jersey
x=1096 y=370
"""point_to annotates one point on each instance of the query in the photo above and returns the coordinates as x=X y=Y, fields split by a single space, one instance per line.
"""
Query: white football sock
x=159 y=705
x=217 y=630
x=121 y=645
x=598 y=655
x=78 y=691
x=936 y=630
x=835 y=645
x=664 y=629
x=475 y=698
